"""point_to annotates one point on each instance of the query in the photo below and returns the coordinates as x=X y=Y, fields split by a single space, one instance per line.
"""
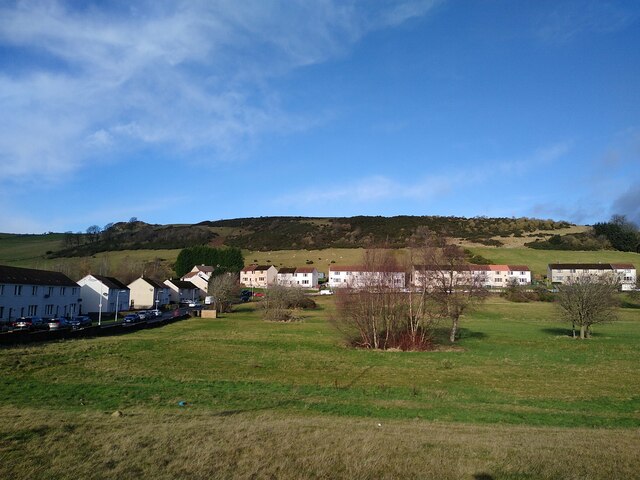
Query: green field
x=517 y=398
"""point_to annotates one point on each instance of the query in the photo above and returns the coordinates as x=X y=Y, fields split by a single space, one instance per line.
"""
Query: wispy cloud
x=190 y=77
x=380 y=188
x=569 y=19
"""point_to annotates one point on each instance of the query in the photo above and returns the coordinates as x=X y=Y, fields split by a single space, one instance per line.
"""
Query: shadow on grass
x=565 y=332
x=482 y=476
x=631 y=305
x=441 y=335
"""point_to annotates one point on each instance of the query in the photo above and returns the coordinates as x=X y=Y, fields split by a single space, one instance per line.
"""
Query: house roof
x=361 y=268
x=203 y=268
x=580 y=266
x=151 y=282
x=184 y=285
x=625 y=266
x=476 y=268
x=31 y=276
x=286 y=270
x=256 y=268
x=111 y=282
x=305 y=269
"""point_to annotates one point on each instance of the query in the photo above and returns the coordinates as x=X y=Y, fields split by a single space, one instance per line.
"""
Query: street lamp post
x=100 y=304
x=117 y=304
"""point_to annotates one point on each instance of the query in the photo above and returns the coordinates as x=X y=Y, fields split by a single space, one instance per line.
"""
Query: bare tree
x=375 y=312
x=586 y=300
x=224 y=289
x=444 y=275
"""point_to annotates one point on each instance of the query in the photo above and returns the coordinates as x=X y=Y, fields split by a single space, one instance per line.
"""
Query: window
x=48 y=310
x=63 y=290
x=18 y=290
x=50 y=292
x=34 y=290
x=33 y=310
x=498 y=280
x=1 y=312
x=1 y=289
x=74 y=291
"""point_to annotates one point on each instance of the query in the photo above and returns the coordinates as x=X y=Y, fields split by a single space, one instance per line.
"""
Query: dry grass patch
x=41 y=444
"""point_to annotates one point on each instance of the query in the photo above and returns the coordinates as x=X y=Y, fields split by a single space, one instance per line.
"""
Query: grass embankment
x=516 y=399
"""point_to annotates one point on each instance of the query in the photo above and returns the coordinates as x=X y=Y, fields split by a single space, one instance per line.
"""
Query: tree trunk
x=454 y=329
x=583 y=332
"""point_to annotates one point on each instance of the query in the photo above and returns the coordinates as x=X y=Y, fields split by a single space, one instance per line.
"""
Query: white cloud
x=190 y=76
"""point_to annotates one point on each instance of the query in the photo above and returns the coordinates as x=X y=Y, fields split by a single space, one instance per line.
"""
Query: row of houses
x=31 y=292
x=263 y=276
x=488 y=276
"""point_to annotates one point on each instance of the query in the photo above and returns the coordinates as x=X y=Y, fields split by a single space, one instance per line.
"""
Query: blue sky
x=178 y=112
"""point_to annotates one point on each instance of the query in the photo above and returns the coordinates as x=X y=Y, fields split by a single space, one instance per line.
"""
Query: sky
x=179 y=112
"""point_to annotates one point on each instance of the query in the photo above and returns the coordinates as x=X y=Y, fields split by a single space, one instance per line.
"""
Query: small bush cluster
x=280 y=304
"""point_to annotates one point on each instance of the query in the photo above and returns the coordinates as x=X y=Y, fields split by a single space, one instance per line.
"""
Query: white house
x=181 y=291
x=27 y=292
x=147 y=293
x=304 y=277
x=559 y=273
x=199 y=276
x=261 y=276
x=358 y=276
x=112 y=291
x=489 y=276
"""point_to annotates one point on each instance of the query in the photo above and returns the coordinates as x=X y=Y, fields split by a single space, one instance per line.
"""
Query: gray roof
x=111 y=282
x=182 y=284
x=31 y=276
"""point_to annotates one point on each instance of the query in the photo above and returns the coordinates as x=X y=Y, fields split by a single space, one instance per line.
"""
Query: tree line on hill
x=617 y=234
x=285 y=233
x=131 y=235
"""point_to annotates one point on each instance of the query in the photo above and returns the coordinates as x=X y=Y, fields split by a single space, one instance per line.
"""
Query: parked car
x=81 y=321
x=58 y=324
x=154 y=313
x=131 y=319
x=142 y=314
x=326 y=292
x=29 y=323
x=258 y=294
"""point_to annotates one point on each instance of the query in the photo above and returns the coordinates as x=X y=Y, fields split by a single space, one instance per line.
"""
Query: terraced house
x=27 y=292
x=359 y=276
x=488 y=276
x=303 y=277
x=625 y=273
x=261 y=276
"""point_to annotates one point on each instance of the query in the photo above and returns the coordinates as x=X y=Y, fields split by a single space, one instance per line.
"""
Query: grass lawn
x=516 y=399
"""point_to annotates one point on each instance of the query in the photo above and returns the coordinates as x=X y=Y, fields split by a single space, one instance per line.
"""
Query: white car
x=326 y=292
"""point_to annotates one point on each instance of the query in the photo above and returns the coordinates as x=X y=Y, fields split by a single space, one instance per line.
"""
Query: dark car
x=58 y=324
x=29 y=323
x=81 y=321
x=131 y=319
